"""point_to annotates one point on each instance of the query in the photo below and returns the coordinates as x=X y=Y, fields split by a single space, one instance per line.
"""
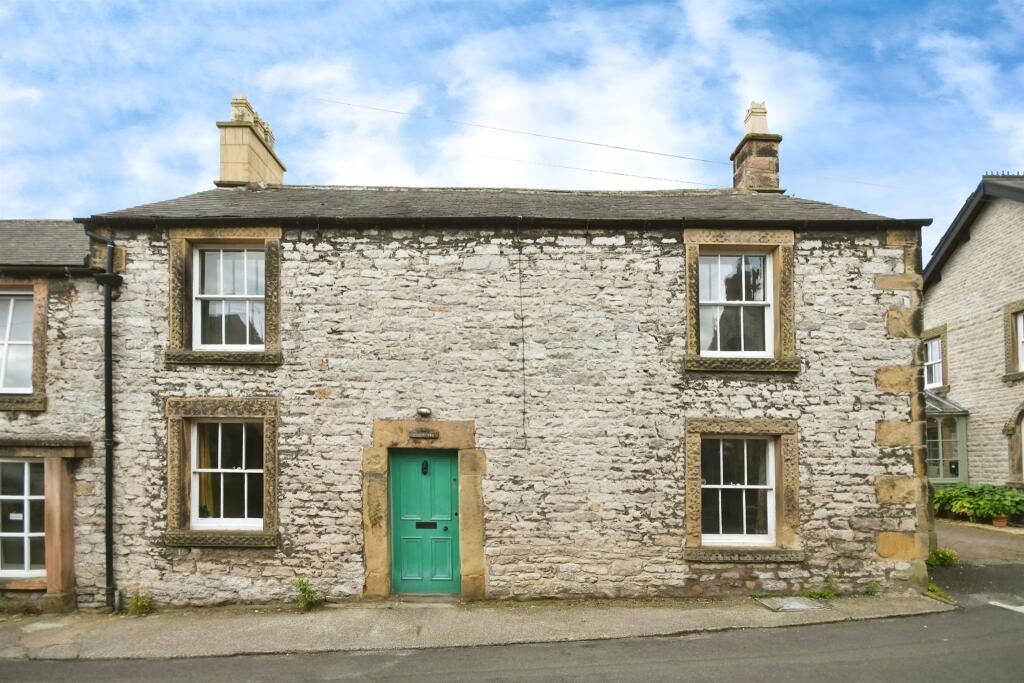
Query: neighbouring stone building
x=973 y=343
x=496 y=392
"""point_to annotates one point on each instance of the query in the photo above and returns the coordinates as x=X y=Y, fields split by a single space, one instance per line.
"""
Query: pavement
x=981 y=543
x=231 y=631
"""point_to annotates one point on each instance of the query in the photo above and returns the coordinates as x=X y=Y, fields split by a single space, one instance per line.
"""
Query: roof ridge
x=517 y=190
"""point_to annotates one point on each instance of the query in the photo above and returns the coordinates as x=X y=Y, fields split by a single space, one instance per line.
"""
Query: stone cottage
x=973 y=344
x=500 y=393
x=51 y=415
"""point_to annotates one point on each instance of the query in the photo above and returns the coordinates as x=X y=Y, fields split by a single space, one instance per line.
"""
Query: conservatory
x=946 y=439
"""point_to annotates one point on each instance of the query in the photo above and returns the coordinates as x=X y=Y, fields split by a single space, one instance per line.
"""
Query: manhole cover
x=791 y=604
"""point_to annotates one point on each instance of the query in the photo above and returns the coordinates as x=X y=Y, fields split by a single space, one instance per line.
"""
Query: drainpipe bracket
x=112 y=279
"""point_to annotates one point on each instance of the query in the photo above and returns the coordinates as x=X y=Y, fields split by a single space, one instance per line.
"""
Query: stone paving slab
x=395 y=625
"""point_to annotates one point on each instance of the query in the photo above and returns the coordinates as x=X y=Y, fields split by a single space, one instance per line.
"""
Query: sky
x=896 y=108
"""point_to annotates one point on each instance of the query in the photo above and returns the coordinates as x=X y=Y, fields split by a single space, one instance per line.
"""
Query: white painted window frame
x=768 y=304
x=744 y=539
x=931 y=361
x=1020 y=341
x=25 y=535
x=198 y=297
x=6 y=323
x=220 y=523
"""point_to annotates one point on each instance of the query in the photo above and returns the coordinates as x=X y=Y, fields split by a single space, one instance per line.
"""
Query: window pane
x=732 y=511
x=757 y=511
x=209 y=272
x=230 y=447
x=35 y=479
x=206 y=455
x=729 y=329
x=254 y=280
x=19 y=367
x=730 y=278
x=932 y=429
x=933 y=468
x=949 y=429
x=37 y=553
x=255 y=496
x=753 y=278
x=209 y=495
x=254 y=446
x=732 y=461
x=757 y=462
x=36 y=516
x=234 y=495
x=21 y=324
x=709 y=511
x=753 y=328
x=5 y=311
x=709 y=290
x=12 y=479
x=709 y=327
x=710 y=466
x=211 y=327
x=952 y=469
x=931 y=375
x=234 y=324
x=233 y=272
x=12 y=516
x=256 y=322
x=12 y=554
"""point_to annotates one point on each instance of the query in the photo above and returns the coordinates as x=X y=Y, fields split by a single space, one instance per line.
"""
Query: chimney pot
x=755 y=161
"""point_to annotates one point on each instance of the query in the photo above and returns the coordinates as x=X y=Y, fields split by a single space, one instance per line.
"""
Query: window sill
x=28 y=583
x=193 y=357
x=221 y=539
x=1013 y=377
x=741 y=364
x=733 y=554
x=28 y=402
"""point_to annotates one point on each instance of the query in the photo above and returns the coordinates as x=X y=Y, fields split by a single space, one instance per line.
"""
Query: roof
x=940 y=405
x=42 y=243
x=325 y=205
x=1004 y=185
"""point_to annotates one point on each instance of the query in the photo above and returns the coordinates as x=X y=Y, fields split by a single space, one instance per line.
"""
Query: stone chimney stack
x=247 y=149
x=755 y=163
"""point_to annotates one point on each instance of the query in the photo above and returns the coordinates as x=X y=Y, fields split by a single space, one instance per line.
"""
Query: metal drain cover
x=791 y=604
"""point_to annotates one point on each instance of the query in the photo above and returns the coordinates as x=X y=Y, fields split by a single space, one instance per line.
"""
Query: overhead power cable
x=578 y=141
x=596 y=170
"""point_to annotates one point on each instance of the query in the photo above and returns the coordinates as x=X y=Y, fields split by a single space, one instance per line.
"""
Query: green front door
x=424 y=522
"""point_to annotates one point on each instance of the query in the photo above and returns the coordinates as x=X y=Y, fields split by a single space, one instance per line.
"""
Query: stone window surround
x=40 y=288
x=180 y=412
x=780 y=244
x=938 y=332
x=787 y=546
x=1014 y=431
x=58 y=456
x=181 y=244
x=423 y=434
x=1011 y=343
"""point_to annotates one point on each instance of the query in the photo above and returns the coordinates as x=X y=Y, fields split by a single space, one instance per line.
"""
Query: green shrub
x=978 y=501
x=139 y=604
x=306 y=598
x=826 y=593
x=874 y=588
x=943 y=557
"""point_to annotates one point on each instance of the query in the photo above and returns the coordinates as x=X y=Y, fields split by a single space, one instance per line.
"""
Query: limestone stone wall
x=978 y=280
x=566 y=348
x=74 y=410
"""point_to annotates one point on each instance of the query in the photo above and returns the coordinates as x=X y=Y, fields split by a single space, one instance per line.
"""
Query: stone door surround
x=457 y=435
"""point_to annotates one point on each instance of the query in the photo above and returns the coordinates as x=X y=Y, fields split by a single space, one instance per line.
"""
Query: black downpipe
x=109 y=280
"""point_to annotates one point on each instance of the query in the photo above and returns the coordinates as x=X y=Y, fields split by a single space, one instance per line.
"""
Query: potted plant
x=980 y=502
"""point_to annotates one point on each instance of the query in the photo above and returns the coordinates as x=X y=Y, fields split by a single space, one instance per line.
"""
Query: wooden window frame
x=961 y=449
x=26 y=534
x=34 y=400
x=936 y=333
x=787 y=545
x=196 y=522
x=780 y=246
x=198 y=298
x=1013 y=334
x=181 y=302
x=181 y=414
x=767 y=306
x=752 y=540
